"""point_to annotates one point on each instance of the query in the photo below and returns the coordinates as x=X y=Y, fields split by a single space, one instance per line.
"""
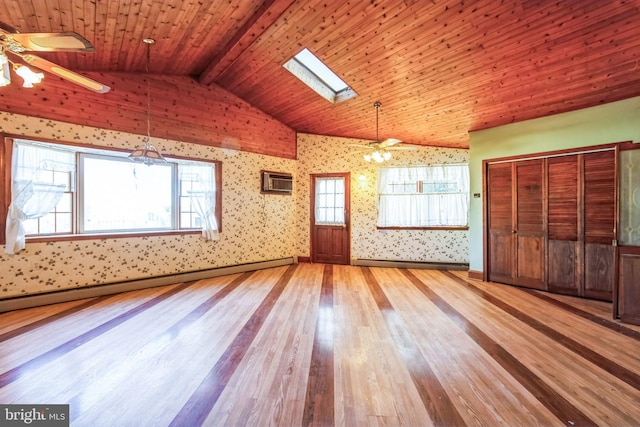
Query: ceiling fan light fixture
x=377 y=157
x=380 y=151
x=30 y=77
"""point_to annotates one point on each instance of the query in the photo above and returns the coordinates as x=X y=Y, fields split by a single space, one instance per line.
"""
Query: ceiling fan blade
x=403 y=147
x=7 y=28
x=69 y=75
x=371 y=147
x=389 y=142
x=67 y=41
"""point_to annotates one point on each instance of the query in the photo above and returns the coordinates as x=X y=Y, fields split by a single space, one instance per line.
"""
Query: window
x=63 y=190
x=423 y=196
x=329 y=201
x=314 y=73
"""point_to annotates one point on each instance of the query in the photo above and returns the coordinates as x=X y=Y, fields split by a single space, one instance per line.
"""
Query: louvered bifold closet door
x=530 y=224
x=599 y=224
x=564 y=246
x=501 y=223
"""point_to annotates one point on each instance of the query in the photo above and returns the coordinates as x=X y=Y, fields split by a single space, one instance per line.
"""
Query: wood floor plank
x=563 y=372
x=554 y=401
x=488 y=393
x=197 y=408
x=598 y=359
x=17 y=322
x=434 y=396
x=325 y=345
x=13 y=374
x=169 y=367
x=607 y=323
x=270 y=383
x=318 y=408
x=24 y=347
x=372 y=384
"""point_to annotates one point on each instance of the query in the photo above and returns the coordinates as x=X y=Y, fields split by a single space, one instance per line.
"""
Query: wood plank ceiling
x=440 y=69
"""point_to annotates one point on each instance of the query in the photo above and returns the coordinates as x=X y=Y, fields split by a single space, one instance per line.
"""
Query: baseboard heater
x=27 y=301
x=427 y=265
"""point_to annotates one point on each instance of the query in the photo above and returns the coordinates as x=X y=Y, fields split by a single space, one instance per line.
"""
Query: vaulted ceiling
x=440 y=68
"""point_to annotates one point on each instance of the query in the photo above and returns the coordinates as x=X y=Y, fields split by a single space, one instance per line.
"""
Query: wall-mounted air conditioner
x=276 y=182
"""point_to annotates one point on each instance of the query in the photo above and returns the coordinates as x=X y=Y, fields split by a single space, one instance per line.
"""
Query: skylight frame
x=318 y=76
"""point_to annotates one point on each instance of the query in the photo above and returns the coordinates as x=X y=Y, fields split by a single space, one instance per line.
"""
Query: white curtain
x=34 y=192
x=443 y=202
x=203 y=197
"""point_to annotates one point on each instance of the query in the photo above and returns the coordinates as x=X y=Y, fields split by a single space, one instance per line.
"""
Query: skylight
x=315 y=74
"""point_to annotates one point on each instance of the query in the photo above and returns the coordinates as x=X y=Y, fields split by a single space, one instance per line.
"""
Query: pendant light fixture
x=147 y=153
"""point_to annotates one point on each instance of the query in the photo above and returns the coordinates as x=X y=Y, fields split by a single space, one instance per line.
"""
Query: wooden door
x=599 y=224
x=564 y=245
x=501 y=237
x=530 y=224
x=330 y=236
x=516 y=223
x=628 y=301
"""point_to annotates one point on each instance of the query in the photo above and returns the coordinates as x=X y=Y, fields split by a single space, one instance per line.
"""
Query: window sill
x=422 y=228
x=72 y=237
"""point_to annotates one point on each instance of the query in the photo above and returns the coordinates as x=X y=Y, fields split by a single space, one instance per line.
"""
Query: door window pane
x=329 y=201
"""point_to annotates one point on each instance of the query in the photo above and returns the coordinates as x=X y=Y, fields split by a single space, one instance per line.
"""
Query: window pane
x=48 y=224
x=133 y=197
x=329 y=201
x=197 y=189
x=30 y=226
x=63 y=222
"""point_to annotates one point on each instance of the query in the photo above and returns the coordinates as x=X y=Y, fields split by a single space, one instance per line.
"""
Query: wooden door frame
x=347 y=208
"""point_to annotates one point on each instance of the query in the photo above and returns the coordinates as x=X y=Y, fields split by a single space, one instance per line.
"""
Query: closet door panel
x=563 y=186
x=599 y=224
x=500 y=223
x=599 y=197
x=563 y=267
x=599 y=271
x=530 y=223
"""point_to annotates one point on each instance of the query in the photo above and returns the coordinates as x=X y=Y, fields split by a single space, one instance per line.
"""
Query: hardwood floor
x=315 y=344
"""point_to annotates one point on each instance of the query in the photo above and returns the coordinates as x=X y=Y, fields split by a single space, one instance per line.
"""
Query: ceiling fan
x=381 y=151
x=19 y=44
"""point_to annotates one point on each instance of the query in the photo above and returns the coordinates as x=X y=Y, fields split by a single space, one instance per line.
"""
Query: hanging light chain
x=149 y=42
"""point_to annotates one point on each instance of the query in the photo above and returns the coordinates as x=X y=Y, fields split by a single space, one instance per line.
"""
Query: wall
x=614 y=122
x=255 y=227
x=322 y=154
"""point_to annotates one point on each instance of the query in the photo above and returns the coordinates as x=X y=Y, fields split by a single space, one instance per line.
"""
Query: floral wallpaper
x=322 y=154
x=255 y=227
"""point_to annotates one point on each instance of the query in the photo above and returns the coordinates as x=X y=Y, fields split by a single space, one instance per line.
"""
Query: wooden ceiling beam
x=264 y=17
